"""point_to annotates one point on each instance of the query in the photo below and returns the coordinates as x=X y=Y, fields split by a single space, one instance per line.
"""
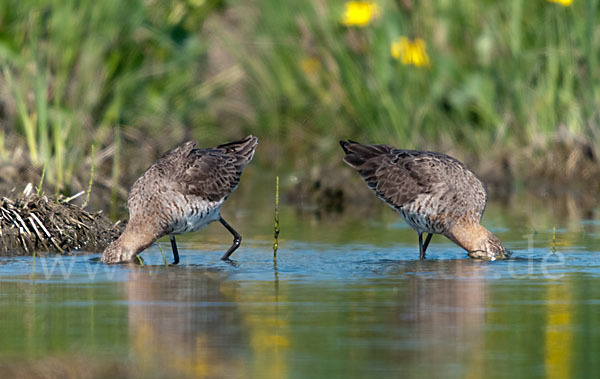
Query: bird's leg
x=237 y=239
x=421 y=249
x=429 y=235
x=175 y=252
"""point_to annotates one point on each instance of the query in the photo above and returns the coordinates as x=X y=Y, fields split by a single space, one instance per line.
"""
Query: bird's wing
x=209 y=173
x=400 y=176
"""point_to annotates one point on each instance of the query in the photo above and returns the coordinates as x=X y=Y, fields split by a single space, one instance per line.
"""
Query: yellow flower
x=359 y=13
x=564 y=3
x=410 y=52
x=310 y=66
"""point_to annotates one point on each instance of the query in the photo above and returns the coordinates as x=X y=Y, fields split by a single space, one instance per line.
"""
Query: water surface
x=347 y=297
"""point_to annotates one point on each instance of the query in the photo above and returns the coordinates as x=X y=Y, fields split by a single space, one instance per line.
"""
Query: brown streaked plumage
x=434 y=193
x=181 y=192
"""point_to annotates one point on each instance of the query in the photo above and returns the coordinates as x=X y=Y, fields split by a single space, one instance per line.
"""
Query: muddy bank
x=65 y=366
x=321 y=182
x=42 y=224
x=566 y=169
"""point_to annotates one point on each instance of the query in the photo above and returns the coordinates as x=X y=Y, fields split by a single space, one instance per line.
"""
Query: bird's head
x=479 y=242
x=489 y=248
x=117 y=252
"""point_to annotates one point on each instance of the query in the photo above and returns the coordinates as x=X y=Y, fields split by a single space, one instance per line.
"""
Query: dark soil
x=33 y=223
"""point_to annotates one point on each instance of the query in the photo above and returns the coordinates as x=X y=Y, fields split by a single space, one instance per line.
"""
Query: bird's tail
x=357 y=154
x=243 y=149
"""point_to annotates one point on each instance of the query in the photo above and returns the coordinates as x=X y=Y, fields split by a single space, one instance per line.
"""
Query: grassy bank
x=507 y=86
x=484 y=80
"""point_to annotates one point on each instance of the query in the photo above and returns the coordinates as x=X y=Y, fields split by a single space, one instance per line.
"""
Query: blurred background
x=106 y=87
x=95 y=91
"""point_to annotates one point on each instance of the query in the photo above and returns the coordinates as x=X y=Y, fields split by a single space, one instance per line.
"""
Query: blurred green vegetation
x=74 y=72
x=514 y=77
x=512 y=74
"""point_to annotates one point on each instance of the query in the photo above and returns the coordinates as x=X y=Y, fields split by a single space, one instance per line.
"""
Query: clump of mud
x=33 y=223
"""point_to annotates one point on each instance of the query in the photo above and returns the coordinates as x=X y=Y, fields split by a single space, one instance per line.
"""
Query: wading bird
x=181 y=192
x=434 y=193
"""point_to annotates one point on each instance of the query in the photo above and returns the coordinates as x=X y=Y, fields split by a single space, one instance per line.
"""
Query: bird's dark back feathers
x=399 y=176
x=211 y=174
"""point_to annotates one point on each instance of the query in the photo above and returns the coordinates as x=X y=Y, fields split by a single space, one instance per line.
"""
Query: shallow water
x=347 y=298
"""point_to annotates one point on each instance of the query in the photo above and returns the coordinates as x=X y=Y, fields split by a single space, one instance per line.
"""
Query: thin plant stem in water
x=140 y=260
x=163 y=254
x=276 y=221
x=554 y=240
x=89 y=190
x=142 y=264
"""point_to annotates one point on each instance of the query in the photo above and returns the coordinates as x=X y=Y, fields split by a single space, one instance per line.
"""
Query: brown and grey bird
x=181 y=192
x=433 y=192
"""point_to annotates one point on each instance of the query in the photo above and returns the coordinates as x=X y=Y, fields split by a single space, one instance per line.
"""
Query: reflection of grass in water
x=33 y=268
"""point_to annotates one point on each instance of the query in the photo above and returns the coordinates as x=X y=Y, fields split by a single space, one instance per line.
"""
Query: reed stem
x=115 y=174
x=554 y=240
x=276 y=221
x=89 y=190
x=39 y=189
